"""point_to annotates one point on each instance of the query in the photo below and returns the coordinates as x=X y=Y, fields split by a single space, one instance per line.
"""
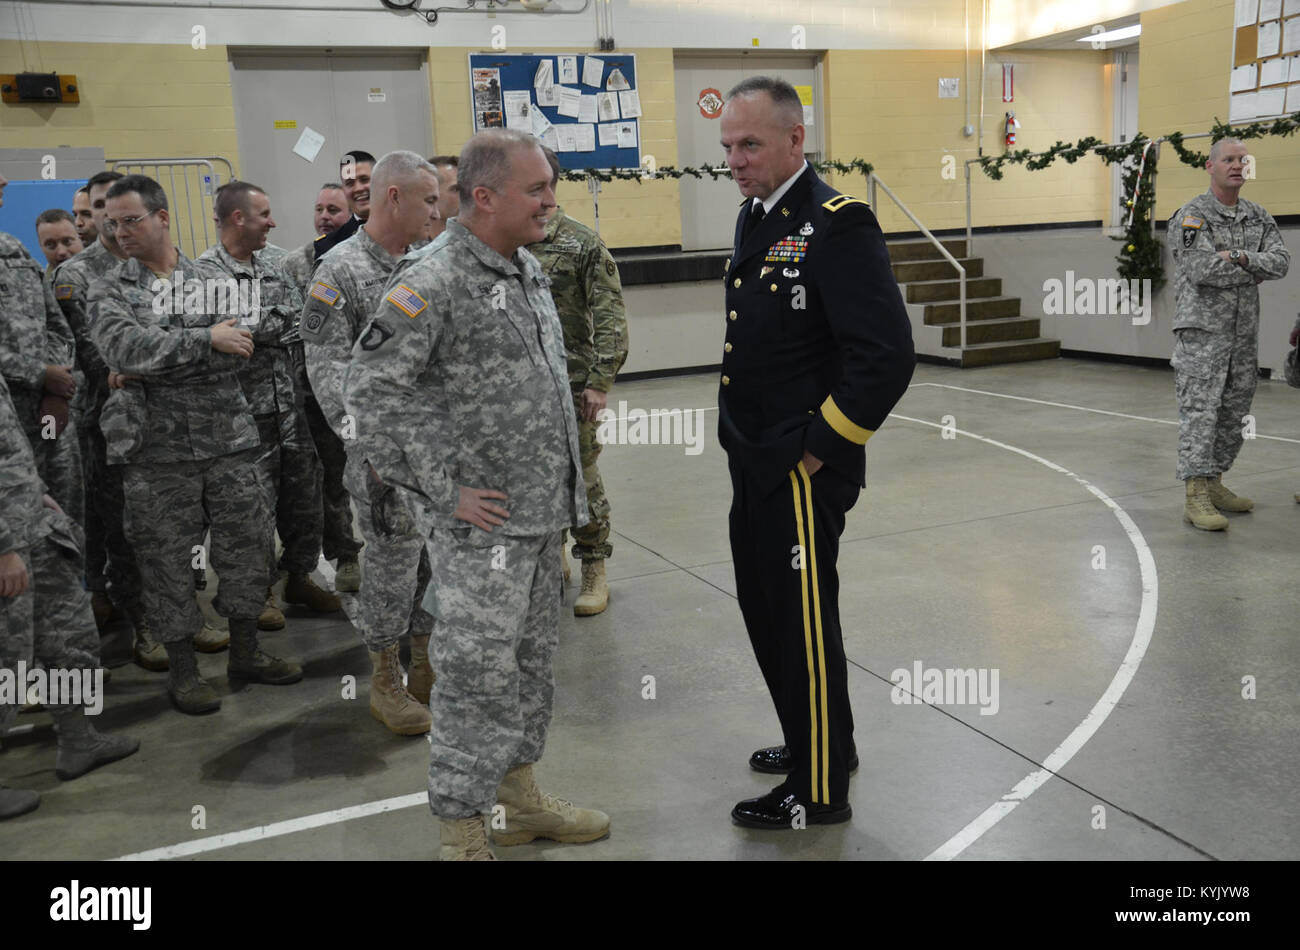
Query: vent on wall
x=39 y=87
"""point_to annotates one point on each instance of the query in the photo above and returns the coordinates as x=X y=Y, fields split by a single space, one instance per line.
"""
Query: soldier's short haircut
x=554 y=161
x=54 y=215
x=1215 y=149
x=398 y=168
x=151 y=193
x=331 y=186
x=445 y=161
x=84 y=190
x=233 y=196
x=781 y=92
x=485 y=160
x=103 y=178
x=356 y=157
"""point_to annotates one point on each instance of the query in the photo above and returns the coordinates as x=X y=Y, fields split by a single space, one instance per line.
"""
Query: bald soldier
x=345 y=292
x=1223 y=247
x=589 y=298
x=461 y=396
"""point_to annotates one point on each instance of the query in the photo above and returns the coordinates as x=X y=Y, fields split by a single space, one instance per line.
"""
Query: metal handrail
x=872 y=181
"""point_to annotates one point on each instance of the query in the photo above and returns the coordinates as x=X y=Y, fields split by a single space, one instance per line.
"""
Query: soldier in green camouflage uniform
x=37 y=350
x=187 y=437
x=459 y=390
x=293 y=475
x=45 y=613
x=346 y=291
x=1223 y=248
x=589 y=298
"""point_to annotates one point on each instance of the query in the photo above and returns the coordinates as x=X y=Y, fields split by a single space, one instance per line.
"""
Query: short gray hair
x=485 y=160
x=782 y=94
x=1226 y=140
x=398 y=168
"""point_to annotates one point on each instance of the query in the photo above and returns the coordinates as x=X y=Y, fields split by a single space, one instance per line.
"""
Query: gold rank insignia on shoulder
x=63 y=291
x=839 y=201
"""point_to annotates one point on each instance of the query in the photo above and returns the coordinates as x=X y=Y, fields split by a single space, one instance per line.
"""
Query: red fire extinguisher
x=1012 y=125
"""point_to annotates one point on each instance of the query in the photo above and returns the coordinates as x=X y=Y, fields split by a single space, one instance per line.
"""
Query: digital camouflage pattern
x=1216 y=324
x=344 y=293
x=460 y=379
x=34 y=334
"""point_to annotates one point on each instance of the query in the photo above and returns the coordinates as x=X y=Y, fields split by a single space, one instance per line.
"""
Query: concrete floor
x=961 y=553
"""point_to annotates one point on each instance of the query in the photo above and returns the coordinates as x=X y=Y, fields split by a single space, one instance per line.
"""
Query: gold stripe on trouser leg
x=807 y=627
x=821 y=646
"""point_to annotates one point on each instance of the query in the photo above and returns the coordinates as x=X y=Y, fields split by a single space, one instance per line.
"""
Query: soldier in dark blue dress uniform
x=818 y=350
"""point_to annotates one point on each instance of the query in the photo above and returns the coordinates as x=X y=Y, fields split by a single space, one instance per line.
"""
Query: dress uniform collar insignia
x=807 y=229
x=785 y=212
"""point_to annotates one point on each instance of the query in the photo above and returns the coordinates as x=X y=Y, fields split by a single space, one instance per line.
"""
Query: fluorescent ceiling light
x=1124 y=33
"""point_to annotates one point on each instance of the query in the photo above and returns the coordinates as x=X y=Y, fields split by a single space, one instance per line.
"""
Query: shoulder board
x=839 y=201
x=320 y=237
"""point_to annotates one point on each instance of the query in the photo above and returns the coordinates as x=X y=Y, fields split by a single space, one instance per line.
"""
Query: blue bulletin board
x=24 y=200
x=535 y=93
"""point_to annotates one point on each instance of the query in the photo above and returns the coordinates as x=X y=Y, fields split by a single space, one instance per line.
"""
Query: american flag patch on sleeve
x=63 y=291
x=406 y=300
x=324 y=293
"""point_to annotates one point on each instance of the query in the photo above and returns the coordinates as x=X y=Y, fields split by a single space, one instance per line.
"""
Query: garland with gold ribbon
x=1140 y=257
x=668 y=171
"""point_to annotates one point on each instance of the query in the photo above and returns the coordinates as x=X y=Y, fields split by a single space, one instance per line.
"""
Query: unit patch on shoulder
x=609 y=268
x=1191 y=227
x=324 y=293
x=406 y=300
x=839 y=201
x=64 y=291
x=376 y=335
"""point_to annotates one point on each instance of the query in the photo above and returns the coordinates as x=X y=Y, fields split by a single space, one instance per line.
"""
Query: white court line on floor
x=1066 y=405
x=1085 y=730
x=954 y=846
x=215 y=842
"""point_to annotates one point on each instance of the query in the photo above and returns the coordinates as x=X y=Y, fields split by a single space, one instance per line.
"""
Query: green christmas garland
x=668 y=171
x=1140 y=257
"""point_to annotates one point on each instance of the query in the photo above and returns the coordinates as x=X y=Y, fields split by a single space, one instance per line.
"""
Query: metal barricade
x=190 y=184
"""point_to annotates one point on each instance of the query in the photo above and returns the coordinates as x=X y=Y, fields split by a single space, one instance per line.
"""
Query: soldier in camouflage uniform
x=1223 y=247
x=37 y=350
x=330 y=214
x=589 y=298
x=243 y=213
x=345 y=292
x=186 y=435
x=106 y=544
x=45 y=613
x=460 y=395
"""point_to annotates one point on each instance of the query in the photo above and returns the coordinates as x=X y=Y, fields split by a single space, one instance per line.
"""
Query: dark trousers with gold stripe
x=784 y=546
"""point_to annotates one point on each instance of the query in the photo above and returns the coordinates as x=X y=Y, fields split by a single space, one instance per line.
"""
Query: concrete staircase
x=995 y=330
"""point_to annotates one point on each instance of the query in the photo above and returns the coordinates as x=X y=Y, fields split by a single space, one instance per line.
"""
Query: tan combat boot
x=271 y=617
x=347 y=577
x=1199 y=510
x=464 y=839
x=390 y=703
x=149 y=653
x=214 y=636
x=531 y=814
x=1223 y=498
x=594 y=597
x=301 y=589
x=568 y=571
x=420 y=677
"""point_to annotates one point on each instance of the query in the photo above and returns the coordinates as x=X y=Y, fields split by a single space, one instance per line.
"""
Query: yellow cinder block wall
x=631 y=214
x=1183 y=86
x=884 y=106
x=137 y=101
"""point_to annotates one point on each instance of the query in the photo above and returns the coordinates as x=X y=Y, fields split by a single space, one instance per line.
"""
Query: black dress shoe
x=778 y=810
x=776 y=761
